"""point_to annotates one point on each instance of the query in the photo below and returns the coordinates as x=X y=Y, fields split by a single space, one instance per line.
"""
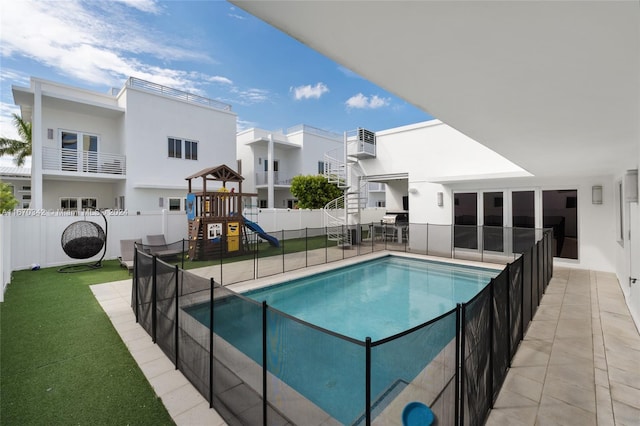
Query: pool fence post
x=176 y=341
x=492 y=312
x=306 y=247
x=153 y=299
x=264 y=363
x=509 y=337
x=371 y=235
x=458 y=363
x=521 y=334
x=367 y=391
x=326 y=245
x=222 y=244
x=211 y=285
x=282 y=245
x=135 y=280
x=463 y=316
x=452 y=236
x=182 y=255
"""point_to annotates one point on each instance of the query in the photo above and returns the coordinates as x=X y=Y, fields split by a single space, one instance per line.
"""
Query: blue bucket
x=417 y=414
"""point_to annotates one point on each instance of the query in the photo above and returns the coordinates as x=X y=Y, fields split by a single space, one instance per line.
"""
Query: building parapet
x=175 y=93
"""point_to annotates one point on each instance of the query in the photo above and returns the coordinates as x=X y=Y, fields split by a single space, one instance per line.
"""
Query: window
x=493 y=221
x=320 y=167
x=560 y=212
x=26 y=187
x=465 y=211
x=175 y=148
x=79 y=151
x=174 y=204
x=523 y=220
x=190 y=150
x=26 y=197
x=69 y=203
x=263 y=204
x=89 y=203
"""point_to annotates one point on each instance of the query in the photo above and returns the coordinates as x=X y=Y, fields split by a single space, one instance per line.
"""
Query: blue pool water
x=378 y=299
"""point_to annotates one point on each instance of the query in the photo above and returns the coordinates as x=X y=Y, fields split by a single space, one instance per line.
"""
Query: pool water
x=377 y=299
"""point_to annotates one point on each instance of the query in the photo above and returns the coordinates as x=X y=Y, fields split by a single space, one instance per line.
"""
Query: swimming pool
x=377 y=299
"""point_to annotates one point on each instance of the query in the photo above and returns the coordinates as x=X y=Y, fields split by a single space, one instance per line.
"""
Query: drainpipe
x=270 y=191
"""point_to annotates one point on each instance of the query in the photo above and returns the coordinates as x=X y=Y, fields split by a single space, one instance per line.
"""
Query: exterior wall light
x=596 y=194
x=413 y=190
x=440 y=199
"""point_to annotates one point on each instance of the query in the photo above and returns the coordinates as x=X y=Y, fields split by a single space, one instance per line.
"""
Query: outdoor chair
x=157 y=246
x=127 y=252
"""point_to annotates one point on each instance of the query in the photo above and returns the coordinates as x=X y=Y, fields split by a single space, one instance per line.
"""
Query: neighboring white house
x=128 y=149
x=19 y=179
x=298 y=150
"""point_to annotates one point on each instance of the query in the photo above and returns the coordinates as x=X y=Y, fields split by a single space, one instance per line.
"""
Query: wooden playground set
x=217 y=227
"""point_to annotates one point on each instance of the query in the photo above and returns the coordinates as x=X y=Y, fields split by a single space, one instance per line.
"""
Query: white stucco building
x=19 y=179
x=270 y=159
x=128 y=149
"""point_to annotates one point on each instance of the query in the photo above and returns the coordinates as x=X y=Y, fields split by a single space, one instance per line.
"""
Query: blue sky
x=210 y=48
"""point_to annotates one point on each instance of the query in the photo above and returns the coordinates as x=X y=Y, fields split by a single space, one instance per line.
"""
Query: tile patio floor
x=579 y=363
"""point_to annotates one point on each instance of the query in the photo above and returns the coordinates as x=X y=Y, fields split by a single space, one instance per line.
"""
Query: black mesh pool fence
x=253 y=363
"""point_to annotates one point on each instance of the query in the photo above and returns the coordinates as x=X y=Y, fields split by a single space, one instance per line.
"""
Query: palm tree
x=20 y=149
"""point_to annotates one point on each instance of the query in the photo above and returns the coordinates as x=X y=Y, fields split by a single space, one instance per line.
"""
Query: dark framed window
x=465 y=211
x=493 y=230
x=174 y=148
x=560 y=212
x=523 y=220
x=174 y=204
x=190 y=150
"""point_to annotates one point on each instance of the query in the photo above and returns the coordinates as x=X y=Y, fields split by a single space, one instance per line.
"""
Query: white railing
x=175 y=93
x=262 y=178
x=335 y=216
x=335 y=169
x=71 y=160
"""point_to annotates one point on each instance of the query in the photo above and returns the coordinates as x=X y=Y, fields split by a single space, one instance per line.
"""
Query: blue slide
x=258 y=230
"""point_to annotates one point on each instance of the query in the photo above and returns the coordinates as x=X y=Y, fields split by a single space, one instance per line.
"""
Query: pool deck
x=579 y=362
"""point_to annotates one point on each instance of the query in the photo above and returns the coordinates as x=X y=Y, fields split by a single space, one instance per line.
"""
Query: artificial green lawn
x=62 y=362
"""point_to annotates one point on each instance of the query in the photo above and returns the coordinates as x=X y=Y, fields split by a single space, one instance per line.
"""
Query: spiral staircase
x=341 y=167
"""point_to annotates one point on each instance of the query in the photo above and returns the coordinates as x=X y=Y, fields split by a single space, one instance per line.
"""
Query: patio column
x=36 y=148
x=270 y=191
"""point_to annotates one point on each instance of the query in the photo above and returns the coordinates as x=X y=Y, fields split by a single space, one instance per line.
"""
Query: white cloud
x=361 y=101
x=309 y=91
x=148 y=6
x=219 y=79
x=96 y=42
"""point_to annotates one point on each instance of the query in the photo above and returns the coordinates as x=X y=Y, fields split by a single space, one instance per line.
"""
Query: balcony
x=73 y=162
x=278 y=179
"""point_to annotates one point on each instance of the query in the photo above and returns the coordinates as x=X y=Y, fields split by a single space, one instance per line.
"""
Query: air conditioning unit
x=367 y=136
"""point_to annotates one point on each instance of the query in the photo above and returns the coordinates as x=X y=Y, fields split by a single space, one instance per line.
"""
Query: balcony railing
x=175 y=93
x=278 y=179
x=71 y=160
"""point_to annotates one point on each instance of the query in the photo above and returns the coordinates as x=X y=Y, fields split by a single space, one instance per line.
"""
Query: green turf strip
x=62 y=362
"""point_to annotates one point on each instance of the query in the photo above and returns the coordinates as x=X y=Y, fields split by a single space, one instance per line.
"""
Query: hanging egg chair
x=84 y=239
